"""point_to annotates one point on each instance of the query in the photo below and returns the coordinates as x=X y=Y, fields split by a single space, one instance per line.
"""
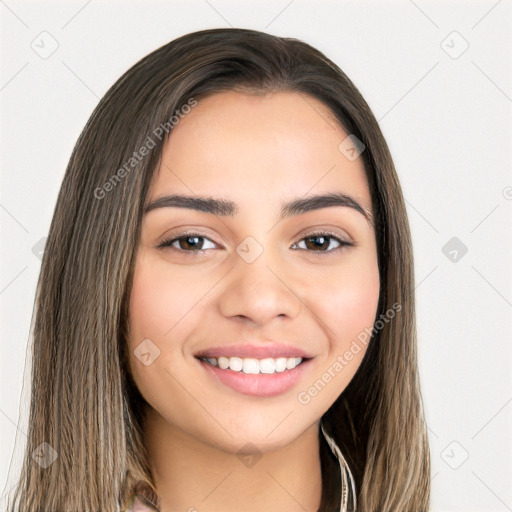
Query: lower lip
x=258 y=384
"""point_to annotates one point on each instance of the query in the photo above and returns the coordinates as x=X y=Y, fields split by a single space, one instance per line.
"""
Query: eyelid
x=167 y=240
x=328 y=231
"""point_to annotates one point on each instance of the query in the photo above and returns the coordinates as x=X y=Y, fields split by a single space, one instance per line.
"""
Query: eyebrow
x=225 y=207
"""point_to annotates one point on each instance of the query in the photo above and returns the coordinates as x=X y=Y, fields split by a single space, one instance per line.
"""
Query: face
x=282 y=296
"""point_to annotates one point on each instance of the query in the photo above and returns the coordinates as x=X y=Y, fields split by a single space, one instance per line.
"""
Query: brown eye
x=195 y=243
x=320 y=242
x=187 y=243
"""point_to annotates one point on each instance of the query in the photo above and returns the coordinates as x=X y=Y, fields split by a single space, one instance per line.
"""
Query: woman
x=225 y=313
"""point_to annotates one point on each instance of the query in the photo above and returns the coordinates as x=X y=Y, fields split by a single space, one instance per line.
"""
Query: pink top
x=138 y=503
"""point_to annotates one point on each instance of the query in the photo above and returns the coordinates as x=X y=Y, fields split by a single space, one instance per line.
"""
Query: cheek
x=348 y=303
x=161 y=303
x=160 y=310
x=148 y=297
x=157 y=304
x=345 y=304
x=165 y=307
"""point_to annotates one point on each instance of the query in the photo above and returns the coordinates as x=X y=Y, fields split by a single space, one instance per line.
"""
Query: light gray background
x=445 y=114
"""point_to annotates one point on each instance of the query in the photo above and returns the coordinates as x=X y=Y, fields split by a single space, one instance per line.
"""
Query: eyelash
x=167 y=243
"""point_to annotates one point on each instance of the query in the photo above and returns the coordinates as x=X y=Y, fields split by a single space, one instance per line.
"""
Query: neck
x=190 y=475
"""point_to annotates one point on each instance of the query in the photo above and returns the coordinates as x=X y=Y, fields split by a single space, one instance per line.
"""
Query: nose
x=259 y=291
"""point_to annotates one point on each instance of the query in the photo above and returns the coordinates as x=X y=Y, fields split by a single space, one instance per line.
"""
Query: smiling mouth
x=250 y=365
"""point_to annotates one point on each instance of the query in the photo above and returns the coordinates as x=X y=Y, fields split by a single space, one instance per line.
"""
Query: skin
x=257 y=151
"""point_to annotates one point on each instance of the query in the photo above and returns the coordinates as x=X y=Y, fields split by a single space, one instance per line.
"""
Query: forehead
x=284 y=143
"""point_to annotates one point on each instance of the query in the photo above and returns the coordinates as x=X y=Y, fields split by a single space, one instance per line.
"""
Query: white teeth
x=281 y=364
x=235 y=363
x=292 y=362
x=251 y=365
x=267 y=365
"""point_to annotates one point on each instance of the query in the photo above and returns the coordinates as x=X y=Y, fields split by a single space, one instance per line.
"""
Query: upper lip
x=256 y=351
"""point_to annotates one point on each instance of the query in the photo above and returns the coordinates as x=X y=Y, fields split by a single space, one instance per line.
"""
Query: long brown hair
x=84 y=403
